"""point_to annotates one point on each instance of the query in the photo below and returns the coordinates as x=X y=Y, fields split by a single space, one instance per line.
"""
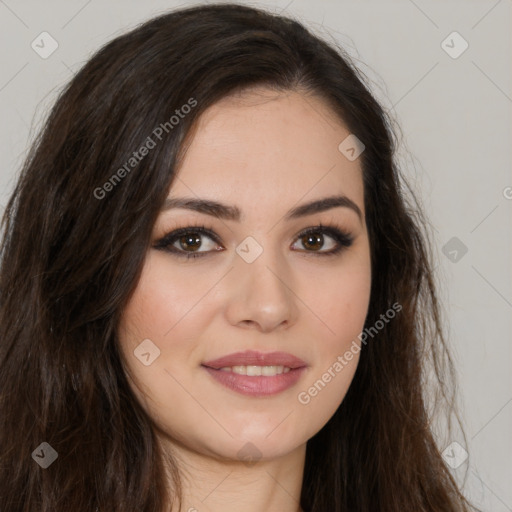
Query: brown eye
x=317 y=241
x=313 y=241
x=323 y=240
x=190 y=242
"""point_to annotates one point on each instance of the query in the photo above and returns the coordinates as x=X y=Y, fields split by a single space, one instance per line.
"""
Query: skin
x=264 y=152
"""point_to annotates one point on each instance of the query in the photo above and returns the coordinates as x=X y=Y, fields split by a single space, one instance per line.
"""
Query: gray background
x=454 y=115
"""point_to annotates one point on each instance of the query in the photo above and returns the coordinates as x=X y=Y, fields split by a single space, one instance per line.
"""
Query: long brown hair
x=75 y=233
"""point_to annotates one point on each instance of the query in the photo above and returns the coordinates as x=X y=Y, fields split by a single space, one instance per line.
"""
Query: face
x=264 y=273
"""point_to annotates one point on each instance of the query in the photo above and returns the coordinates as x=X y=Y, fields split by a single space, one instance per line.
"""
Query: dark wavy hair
x=72 y=256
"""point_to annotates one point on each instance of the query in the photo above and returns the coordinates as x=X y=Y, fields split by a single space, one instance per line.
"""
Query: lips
x=254 y=358
x=256 y=386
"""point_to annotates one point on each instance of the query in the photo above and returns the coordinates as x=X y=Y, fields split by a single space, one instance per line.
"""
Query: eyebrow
x=227 y=212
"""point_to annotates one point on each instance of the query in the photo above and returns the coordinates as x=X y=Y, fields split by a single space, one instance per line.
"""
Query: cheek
x=169 y=308
x=340 y=301
x=166 y=299
x=340 y=305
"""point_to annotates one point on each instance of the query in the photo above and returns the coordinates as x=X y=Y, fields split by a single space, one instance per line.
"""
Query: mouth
x=255 y=358
x=255 y=373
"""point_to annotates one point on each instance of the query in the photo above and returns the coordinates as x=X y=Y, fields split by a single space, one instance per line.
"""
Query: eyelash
x=342 y=237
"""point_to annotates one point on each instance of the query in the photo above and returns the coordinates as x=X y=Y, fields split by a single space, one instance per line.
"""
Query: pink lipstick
x=255 y=373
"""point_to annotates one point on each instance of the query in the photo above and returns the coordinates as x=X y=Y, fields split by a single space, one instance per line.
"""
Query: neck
x=211 y=483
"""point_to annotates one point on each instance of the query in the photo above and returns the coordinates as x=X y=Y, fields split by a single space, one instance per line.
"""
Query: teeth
x=255 y=371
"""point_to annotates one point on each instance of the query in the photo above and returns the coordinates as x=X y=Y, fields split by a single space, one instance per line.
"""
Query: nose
x=262 y=295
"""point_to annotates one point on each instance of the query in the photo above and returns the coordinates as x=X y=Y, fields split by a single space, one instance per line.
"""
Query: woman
x=215 y=294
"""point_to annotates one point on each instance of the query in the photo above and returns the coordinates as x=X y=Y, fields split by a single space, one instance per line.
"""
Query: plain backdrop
x=453 y=105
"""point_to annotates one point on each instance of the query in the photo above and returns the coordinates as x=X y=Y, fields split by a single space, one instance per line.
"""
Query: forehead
x=264 y=149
